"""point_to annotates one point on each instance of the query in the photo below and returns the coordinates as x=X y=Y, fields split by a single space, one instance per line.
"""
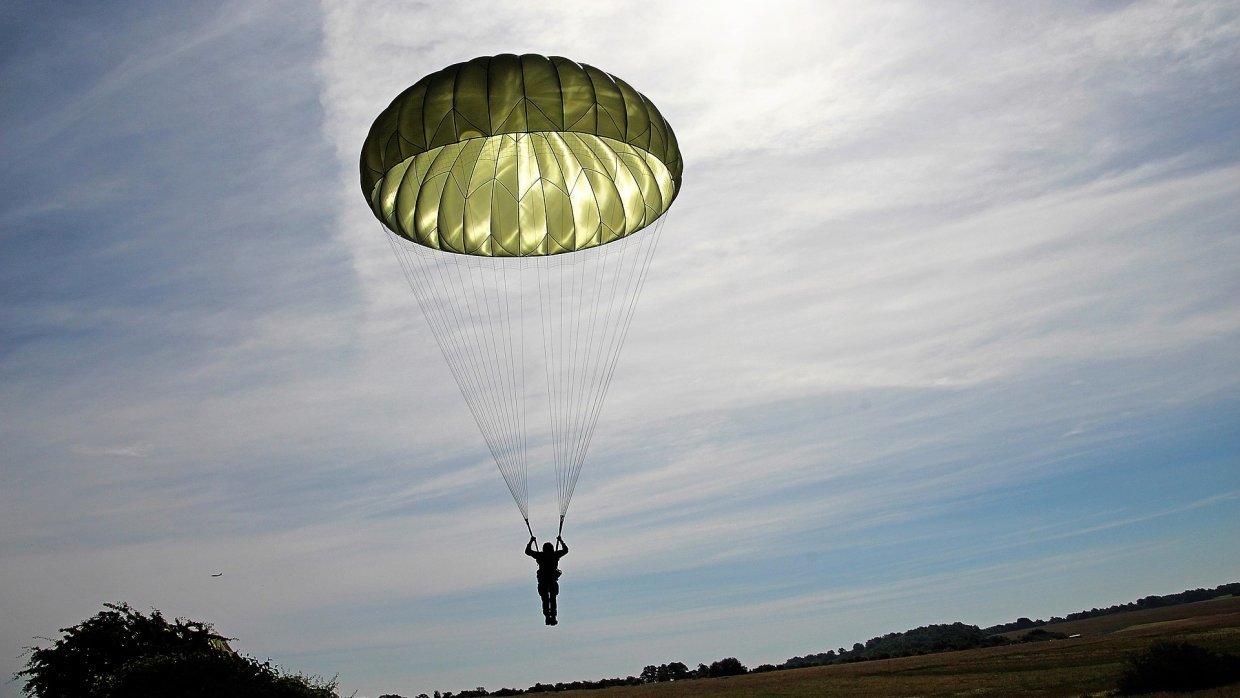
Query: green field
x=1085 y=665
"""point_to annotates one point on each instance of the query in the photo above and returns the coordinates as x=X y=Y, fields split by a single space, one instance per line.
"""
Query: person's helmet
x=547 y=548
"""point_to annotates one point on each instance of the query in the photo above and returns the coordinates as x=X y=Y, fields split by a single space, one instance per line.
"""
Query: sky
x=943 y=327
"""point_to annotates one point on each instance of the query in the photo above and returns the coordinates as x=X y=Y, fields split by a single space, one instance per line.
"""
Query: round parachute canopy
x=519 y=156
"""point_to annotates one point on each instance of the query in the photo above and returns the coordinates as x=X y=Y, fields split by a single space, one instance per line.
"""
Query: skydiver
x=548 y=560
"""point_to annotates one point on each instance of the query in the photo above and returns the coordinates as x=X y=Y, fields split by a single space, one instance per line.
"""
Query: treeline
x=1189 y=596
x=672 y=671
x=958 y=636
x=927 y=639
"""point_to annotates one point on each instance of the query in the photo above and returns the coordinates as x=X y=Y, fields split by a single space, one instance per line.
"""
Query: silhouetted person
x=548 y=572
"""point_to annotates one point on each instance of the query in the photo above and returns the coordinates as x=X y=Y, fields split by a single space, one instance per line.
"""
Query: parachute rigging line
x=581 y=356
x=477 y=309
x=475 y=336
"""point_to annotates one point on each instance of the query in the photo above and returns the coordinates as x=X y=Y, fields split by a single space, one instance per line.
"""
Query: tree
x=123 y=652
x=677 y=671
x=731 y=666
x=650 y=674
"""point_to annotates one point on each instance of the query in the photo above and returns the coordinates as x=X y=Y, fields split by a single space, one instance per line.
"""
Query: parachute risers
x=558 y=533
x=525 y=189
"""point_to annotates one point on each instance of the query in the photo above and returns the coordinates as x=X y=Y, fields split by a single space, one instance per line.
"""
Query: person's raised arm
x=561 y=545
x=529 y=547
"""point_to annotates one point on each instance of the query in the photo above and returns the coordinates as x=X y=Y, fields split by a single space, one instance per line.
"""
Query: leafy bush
x=123 y=652
x=1177 y=666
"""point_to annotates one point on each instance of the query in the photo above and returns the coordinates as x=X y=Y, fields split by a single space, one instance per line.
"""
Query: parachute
x=524 y=196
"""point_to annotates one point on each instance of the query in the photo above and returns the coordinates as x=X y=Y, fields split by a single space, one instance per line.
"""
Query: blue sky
x=981 y=365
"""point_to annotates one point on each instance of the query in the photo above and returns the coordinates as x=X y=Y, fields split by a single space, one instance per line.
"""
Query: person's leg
x=548 y=601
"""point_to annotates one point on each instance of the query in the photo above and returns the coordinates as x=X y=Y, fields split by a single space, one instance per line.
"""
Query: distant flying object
x=218 y=574
x=519 y=187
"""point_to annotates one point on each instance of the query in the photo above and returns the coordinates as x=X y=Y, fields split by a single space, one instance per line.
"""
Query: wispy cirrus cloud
x=138 y=450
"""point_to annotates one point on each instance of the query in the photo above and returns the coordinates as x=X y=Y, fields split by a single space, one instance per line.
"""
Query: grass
x=1087 y=665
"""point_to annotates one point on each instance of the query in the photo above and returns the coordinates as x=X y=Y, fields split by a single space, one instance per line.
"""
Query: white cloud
x=139 y=450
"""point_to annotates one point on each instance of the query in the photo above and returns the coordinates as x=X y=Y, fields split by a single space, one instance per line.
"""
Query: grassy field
x=1087 y=665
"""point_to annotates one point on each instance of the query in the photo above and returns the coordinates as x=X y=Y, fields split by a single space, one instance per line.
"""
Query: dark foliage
x=123 y=652
x=1018 y=624
x=1177 y=666
x=1040 y=635
x=730 y=666
x=924 y=640
x=828 y=657
x=1189 y=596
x=675 y=671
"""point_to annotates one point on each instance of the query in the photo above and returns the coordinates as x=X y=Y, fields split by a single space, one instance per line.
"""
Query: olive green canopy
x=516 y=156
